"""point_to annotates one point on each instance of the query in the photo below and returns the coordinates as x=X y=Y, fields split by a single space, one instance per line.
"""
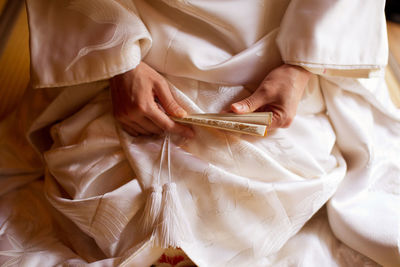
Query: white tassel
x=173 y=227
x=151 y=210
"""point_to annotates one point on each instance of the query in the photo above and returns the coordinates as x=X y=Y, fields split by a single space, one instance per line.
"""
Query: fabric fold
x=111 y=40
x=315 y=34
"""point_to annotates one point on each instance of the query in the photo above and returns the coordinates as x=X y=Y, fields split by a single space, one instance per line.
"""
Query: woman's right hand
x=136 y=96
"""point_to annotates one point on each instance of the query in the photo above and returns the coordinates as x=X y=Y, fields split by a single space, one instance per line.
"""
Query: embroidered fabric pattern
x=121 y=13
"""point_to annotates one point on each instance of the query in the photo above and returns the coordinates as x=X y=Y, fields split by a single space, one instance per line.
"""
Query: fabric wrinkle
x=319 y=193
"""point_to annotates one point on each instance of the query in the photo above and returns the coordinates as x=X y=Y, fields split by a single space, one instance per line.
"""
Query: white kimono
x=109 y=199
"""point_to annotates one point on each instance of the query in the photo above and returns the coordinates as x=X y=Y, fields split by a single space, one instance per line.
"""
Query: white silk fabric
x=247 y=201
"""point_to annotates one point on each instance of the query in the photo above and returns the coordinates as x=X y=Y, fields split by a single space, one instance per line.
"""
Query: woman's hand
x=134 y=95
x=280 y=93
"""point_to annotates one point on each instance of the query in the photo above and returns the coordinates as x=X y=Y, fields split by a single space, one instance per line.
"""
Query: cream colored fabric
x=108 y=34
x=315 y=34
x=242 y=200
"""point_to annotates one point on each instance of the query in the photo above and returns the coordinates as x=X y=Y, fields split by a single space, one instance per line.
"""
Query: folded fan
x=256 y=123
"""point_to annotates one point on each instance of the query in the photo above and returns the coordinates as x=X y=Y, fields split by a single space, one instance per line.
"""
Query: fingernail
x=181 y=113
x=238 y=107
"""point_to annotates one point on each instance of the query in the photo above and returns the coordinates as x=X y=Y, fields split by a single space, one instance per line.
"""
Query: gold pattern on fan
x=256 y=123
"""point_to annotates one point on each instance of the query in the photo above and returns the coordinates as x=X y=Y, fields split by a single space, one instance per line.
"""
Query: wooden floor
x=393 y=70
x=14 y=64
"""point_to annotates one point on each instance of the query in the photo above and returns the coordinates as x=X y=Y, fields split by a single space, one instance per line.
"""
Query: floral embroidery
x=121 y=13
x=174 y=258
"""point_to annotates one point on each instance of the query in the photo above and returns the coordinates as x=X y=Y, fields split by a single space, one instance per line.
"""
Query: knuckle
x=142 y=107
x=248 y=102
x=263 y=89
x=286 y=120
x=161 y=83
x=171 y=105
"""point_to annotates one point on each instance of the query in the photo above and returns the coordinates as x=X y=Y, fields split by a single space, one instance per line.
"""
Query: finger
x=137 y=121
x=137 y=128
x=167 y=100
x=250 y=104
x=275 y=121
x=149 y=125
x=129 y=130
x=280 y=117
x=164 y=122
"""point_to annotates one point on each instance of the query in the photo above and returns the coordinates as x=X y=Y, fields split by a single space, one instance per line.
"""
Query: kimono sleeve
x=337 y=37
x=82 y=41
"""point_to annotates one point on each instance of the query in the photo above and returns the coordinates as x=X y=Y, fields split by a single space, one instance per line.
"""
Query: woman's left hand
x=280 y=93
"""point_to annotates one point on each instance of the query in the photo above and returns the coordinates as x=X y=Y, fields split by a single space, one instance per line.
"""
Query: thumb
x=249 y=104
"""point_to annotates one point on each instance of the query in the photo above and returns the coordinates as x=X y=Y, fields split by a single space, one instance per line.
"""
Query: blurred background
x=14 y=52
x=392 y=10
